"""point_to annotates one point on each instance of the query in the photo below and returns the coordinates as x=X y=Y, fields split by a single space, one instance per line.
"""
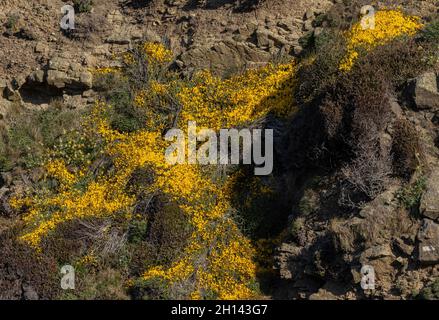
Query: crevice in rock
x=39 y=93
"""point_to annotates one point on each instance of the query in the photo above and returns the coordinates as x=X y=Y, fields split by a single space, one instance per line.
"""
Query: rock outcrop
x=430 y=199
x=428 y=236
x=426 y=93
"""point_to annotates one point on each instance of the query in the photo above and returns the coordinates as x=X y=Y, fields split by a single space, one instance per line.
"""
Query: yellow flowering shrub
x=89 y=260
x=157 y=53
x=153 y=52
x=389 y=24
x=105 y=70
x=216 y=103
x=218 y=260
x=58 y=170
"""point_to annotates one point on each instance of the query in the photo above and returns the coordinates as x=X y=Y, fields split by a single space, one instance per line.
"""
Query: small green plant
x=309 y=202
x=307 y=40
x=106 y=284
x=12 y=23
x=31 y=132
x=138 y=231
x=319 y=20
x=410 y=195
x=296 y=225
x=83 y=6
x=25 y=143
x=151 y=289
x=431 y=31
x=5 y=162
x=430 y=292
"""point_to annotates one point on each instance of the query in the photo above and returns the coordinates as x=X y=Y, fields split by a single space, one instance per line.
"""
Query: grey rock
x=36 y=76
x=5 y=207
x=426 y=95
x=223 y=57
x=376 y=252
x=262 y=38
x=65 y=72
x=57 y=78
x=318 y=31
x=88 y=94
x=115 y=17
x=59 y=63
x=3 y=86
x=307 y=26
x=11 y=94
x=7 y=178
x=5 y=107
x=285 y=25
x=428 y=236
x=323 y=294
x=309 y=14
x=330 y=291
x=102 y=50
x=404 y=248
x=428 y=230
x=379 y=222
x=41 y=48
x=151 y=36
x=86 y=78
x=286 y=253
x=29 y=292
x=18 y=81
x=119 y=38
x=289 y=248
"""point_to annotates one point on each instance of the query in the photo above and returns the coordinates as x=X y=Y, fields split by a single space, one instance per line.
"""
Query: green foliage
x=317 y=76
x=307 y=40
x=25 y=143
x=83 y=6
x=431 y=31
x=5 y=161
x=120 y=91
x=12 y=23
x=33 y=131
x=296 y=226
x=354 y=108
x=138 y=231
x=168 y=233
x=260 y=211
x=410 y=195
x=123 y=116
x=319 y=20
x=56 y=122
x=151 y=289
x=107 y=284
x=430 y=292
x=309 y=202
x=406 y=149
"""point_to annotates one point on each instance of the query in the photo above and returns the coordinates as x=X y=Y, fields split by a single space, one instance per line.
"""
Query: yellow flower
x=216 y=103
x=389 y=24
x=218 y=258
x=157 y=53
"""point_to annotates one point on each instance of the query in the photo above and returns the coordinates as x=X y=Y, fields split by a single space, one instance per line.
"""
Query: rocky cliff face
x=395 y=233
x=41 y=62
x=323 y=252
